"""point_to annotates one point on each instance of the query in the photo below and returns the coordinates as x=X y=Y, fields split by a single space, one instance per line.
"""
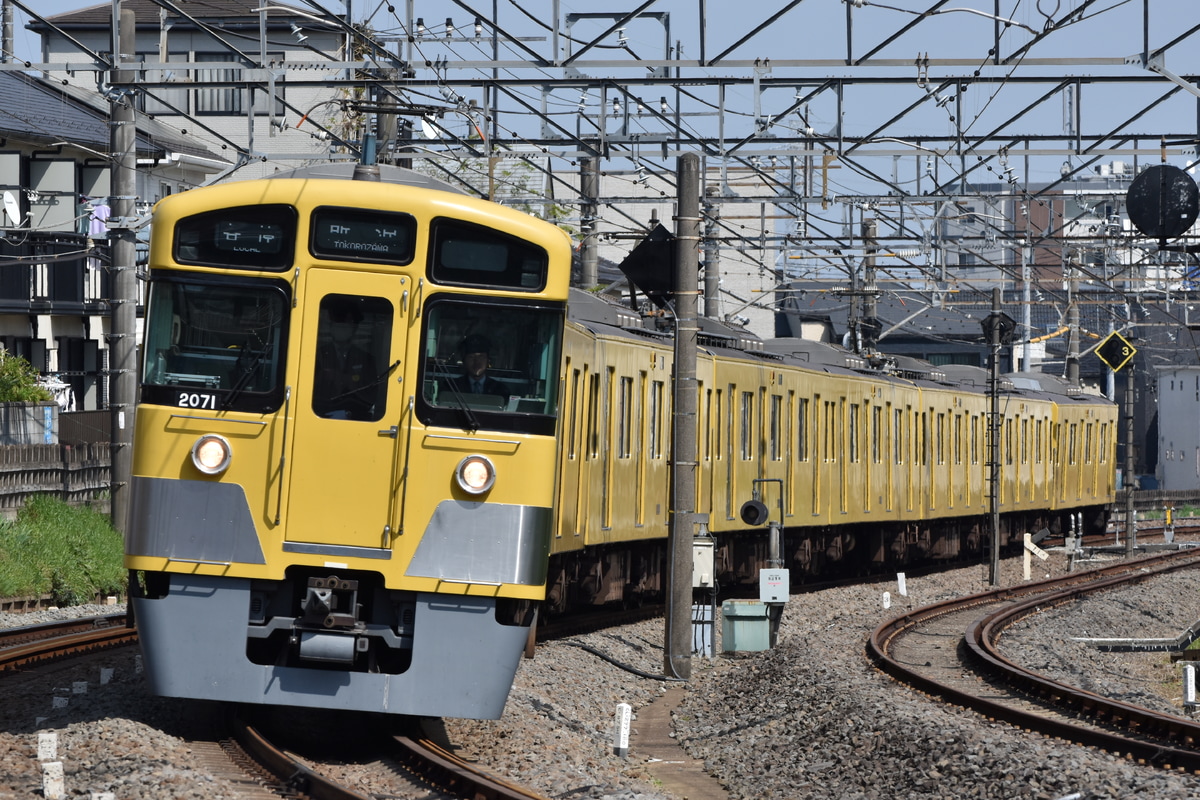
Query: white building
x=1178 y=434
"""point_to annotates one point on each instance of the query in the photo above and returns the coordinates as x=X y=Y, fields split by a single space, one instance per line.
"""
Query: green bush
x=18 y=381
x=69 y=552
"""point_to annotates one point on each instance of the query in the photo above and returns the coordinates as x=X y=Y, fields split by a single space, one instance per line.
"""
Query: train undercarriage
x=635 y=573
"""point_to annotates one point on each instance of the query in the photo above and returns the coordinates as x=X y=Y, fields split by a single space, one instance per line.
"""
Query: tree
x=19 y=381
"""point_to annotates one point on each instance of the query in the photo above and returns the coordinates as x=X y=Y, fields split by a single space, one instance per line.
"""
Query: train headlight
x=475 y=474
x=211 y=454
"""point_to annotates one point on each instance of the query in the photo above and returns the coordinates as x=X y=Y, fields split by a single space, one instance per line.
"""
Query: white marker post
x=53 y=787
x=1189 y=686
x=887 y=600
x=621 y=730
x=1031 y=548
x=901 y=585
x=47 y=746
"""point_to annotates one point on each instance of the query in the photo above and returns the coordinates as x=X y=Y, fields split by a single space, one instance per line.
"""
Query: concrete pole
x=712 y=255
x=1073 y=324
x=122 y=347
x=1026 y=310
x=1130 y=514
x=589 y=251
x=994 y=435
x=6 y=30
x=677 y=661
x=870 y=230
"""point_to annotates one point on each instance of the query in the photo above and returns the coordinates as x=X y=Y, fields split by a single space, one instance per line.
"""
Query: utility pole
x=998 y=327
x=677 y=659
x=6 y=30
x=122 y=348
x=869 y=324
x=1073 y=326
x=712 y=255
x=589 y=250
x=1130 y=515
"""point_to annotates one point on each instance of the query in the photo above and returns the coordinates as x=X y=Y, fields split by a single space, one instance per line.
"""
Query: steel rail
x=420 y=756
x=1169 y=739
x=451 y=773
x=34 y=644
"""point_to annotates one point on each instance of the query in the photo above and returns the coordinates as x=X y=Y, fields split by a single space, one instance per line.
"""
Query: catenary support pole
x=677 y=661
x=589 y=248
x=122 y=348
x=994 y=333
x=1130 y=514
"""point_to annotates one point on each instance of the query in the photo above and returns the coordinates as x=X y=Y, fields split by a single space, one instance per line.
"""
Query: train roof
x=602 y=314
x=384 y=173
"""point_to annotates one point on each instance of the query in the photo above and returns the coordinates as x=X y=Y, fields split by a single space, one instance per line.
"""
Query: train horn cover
x=754 y=512
x=475 y=474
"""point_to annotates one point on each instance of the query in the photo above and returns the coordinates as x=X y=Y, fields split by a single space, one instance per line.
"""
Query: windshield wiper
x=244 y=369
x=452 y=383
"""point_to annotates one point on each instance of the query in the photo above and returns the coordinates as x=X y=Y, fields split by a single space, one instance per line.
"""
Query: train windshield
x=215 y=345
x=491 y=365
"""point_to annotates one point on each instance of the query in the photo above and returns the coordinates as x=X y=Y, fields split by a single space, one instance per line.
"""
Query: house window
x=218 y=99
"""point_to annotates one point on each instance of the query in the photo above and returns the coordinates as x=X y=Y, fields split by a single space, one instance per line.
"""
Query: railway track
x=424 y=760
x=34 y=644
x=950 y=650
x=235 y=749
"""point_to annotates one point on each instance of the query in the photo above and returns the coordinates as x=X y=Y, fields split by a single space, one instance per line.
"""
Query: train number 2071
x=197 y=400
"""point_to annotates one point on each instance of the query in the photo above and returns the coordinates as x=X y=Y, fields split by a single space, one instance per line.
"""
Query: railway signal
x=1115 y=351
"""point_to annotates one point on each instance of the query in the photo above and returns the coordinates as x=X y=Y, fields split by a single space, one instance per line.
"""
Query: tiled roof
x=35 y=111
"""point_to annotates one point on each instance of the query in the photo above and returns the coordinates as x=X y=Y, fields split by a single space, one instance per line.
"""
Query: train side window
x=747 y=427
x=625 y=417
x=775 y=424
x=574 y=399
x=593 y=416
x=656 y=415
x=465 y=254
x=351 y=365
x=854 y=456
x=802 y=430
x=897 y=436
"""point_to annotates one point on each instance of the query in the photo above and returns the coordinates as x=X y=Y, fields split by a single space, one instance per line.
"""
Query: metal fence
x=85 y=427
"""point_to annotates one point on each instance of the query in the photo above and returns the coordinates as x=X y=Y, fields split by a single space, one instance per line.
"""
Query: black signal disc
x=1163 y=201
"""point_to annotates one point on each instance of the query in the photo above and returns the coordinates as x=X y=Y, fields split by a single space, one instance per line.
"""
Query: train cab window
x=464 y=254
x=215 y=345
x=491 y=365
x=351 y=366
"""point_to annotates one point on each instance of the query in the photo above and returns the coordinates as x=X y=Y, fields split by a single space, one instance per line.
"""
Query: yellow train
x=377 y=432
x=324 y=510
x=866 y=468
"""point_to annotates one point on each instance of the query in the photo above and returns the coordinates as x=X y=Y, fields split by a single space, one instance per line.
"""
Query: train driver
x=474 y=379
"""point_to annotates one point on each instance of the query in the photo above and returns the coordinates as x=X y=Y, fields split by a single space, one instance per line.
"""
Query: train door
x=348 y=411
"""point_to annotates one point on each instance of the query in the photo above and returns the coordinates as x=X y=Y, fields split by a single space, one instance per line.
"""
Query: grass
x=69 y=552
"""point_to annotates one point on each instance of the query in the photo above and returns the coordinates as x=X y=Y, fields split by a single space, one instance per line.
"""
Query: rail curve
x=965 y=631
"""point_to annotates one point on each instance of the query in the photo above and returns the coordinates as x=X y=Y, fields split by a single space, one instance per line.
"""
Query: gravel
x=810 y=718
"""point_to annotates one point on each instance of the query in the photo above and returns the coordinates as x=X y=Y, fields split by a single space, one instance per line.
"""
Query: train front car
x=334 y=504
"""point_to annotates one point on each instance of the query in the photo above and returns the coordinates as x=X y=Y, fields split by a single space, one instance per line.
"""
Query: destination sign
x=357 y=235
x=248 y=237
